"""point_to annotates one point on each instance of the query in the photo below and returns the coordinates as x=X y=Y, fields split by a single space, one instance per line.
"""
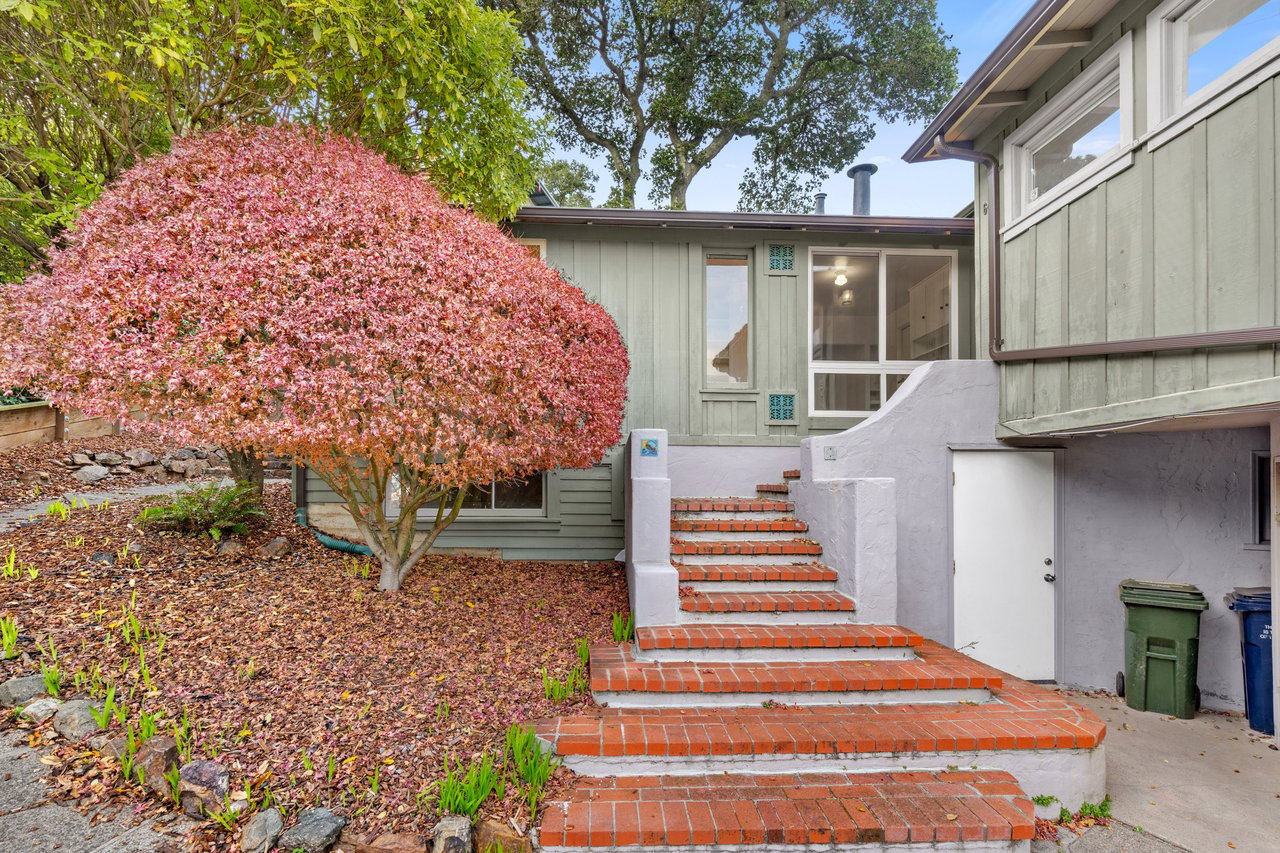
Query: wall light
x=846 y=297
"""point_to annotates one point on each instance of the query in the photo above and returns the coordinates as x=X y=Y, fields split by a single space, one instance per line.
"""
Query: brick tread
x=791 y=474
x=808 y=808
x=615 y=669
x=732 y=525
x=773 y=488
x=798 y=572
x=780 y=548
x=1026 y=716
x=766 y=602
x=708 y=636
x=730 y=505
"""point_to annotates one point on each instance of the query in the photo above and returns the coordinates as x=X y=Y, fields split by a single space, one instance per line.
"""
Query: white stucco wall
x=1170 y=505
x=714 y=471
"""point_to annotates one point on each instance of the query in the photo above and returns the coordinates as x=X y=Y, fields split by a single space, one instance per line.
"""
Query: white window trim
x=1170 y=112
x=428 y=512
x=1050 y=120
x=883 y=366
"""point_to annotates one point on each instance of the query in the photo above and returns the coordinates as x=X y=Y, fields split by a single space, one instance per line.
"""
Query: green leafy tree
x=572 y=183
x=674 y=81
x=90 y=87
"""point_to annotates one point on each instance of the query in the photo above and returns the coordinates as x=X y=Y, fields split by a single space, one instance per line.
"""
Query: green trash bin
x=1161 y=645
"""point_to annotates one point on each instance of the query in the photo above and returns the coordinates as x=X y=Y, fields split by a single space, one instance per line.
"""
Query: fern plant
x=212 y=510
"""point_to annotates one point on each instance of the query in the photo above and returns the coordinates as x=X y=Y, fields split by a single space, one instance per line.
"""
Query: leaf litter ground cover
x=28 y=458
x=298 y=676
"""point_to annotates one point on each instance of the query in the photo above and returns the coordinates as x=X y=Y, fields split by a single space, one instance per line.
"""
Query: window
x=1075 y=135
x=1260 y=519
x=875 y=316
x=1200 y=48
x=535 y=246
x=728 y=312
x=506 y=496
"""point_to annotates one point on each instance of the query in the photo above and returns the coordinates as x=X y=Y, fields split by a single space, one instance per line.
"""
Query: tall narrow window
x=728 y=331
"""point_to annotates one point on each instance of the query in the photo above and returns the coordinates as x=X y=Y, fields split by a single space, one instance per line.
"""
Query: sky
x=898 y=189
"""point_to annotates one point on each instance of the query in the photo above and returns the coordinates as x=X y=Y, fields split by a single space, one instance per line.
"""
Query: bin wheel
x=1120 y=684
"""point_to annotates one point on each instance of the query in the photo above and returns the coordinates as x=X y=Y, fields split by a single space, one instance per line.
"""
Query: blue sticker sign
x=648 y=447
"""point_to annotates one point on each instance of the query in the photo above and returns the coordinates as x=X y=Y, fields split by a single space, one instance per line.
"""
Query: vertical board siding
x=1183 y=241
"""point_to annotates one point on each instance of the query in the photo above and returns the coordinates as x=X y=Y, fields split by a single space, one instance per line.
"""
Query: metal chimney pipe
x=820 y=203
x=861 y=175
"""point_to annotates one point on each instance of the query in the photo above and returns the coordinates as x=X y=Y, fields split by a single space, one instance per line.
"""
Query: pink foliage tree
x=282 y=292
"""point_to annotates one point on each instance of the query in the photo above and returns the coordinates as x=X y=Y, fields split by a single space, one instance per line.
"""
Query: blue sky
x=925 y=189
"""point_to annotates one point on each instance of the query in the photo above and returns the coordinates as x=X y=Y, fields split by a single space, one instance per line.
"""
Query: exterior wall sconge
x=846 y=297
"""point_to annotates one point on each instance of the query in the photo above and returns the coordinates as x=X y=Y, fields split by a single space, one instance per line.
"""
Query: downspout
x=300 y=494
x=955 y=152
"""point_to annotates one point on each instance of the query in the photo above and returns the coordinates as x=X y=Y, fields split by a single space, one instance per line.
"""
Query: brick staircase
x=769 y=718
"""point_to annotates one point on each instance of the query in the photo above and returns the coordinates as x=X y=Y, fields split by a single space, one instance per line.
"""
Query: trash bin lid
x=1163 y=594
x=1246 y=599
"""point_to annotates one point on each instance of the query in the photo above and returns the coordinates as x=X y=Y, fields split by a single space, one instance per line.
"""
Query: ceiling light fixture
x=842 y=280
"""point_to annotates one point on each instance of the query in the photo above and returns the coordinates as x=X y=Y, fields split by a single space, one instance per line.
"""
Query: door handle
x=1050 y=578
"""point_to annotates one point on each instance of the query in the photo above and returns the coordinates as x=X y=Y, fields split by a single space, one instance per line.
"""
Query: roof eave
x=939 y=226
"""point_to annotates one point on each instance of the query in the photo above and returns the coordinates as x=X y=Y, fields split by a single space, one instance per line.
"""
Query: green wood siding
x=1182 y=241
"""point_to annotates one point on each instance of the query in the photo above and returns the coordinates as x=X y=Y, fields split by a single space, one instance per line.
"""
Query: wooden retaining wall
x=34 y=423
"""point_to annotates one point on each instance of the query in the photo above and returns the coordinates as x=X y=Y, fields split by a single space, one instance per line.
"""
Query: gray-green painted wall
x=651 y=281
x=1182 y=241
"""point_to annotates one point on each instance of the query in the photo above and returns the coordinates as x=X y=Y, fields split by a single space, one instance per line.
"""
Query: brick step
x=737 y=525
x=618 y=679
x=756 y=572
x=767 y=607
x=731 y=509
x=964 y=810
x=1027 y=720
x=791 y=474
x=750 y=551
x=723 y=642
x=765 y=489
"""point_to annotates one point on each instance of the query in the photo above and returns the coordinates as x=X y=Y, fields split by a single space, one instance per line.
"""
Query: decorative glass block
x=782 y=407
x=782 y=258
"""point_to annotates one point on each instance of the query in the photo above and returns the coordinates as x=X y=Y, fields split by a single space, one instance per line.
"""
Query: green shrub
x=213 y=510
x=14 y=396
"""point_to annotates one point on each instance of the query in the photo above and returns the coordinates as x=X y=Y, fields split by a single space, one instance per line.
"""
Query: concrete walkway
x=30 y=824
x=1204 y=784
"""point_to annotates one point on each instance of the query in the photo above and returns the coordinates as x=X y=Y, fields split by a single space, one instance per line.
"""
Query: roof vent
x=861 y=175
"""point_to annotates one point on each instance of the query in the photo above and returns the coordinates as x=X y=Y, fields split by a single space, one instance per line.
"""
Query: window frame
x=1112 y=70
x=1170 y=110
x=883 y=366
x=539 y=243
x=705 y=384
x=429 y=511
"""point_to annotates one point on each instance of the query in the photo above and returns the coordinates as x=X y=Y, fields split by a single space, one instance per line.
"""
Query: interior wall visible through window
x=727 y=359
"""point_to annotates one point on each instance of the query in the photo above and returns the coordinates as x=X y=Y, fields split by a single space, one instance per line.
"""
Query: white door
x=1003 y=539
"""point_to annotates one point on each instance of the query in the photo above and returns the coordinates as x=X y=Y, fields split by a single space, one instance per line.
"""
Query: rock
x=30 y=478
x=203 y=784
x=74 y=720
x=103 y=557
x=21 y=690
x=495 y=836
x=91 y=474
x=155 y=472
x=230 y=547
x=219 y=471
x=315 y=832
x=41 y=709
x=452 y=835
x=397 y=842
x=139 y=457
x=261 y=831
x=122 y=469
x=277 y=547
x=156 y=757
x=108 y=459
x=173 y=455
x=113 y=747
x=81 y=459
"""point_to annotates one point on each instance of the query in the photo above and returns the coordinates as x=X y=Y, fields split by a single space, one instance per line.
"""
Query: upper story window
x=1200 y=48
x=1074 y=136
x=727 y=360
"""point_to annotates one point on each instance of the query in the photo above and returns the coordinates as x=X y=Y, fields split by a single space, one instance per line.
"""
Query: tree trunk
x=246 y=467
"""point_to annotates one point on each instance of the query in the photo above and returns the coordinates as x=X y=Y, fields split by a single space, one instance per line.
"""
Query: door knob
x=1050 y=578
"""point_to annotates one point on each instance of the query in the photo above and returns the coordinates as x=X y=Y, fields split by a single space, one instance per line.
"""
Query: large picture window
x=516 y=497
x=1080 y=131
x=1200 y=48
x=875 y=316
x=727 y=360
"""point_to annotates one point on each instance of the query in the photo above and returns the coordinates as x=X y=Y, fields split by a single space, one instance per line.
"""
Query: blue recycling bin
x=1254 y=607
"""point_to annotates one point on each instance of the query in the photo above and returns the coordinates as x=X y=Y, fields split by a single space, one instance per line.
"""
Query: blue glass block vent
x=782 y=407
x=782 y=258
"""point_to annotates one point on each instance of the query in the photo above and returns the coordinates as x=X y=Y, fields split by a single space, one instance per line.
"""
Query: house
x=1076 y=386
